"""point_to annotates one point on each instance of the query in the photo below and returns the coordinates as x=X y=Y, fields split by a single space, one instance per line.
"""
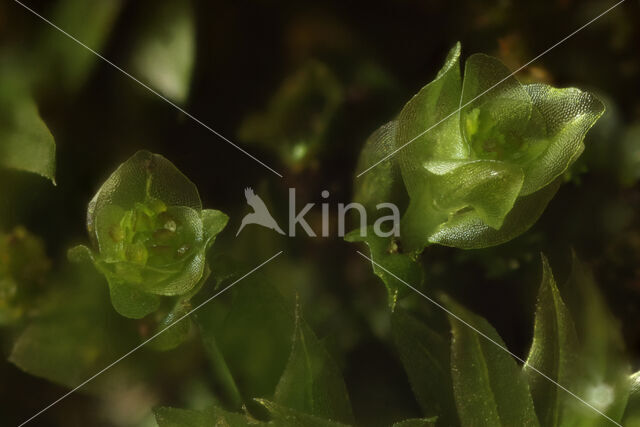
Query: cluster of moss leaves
x=480 y=177
x=473 y=160
x=576 y=372
x=478 y=157
x=576 y=364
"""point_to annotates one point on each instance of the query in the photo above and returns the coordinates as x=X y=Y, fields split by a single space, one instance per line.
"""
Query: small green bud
x=147 y=246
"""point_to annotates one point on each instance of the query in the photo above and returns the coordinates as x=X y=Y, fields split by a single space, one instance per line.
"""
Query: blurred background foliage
x=301 y=86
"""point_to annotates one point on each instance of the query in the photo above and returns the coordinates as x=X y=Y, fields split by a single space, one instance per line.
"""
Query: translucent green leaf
x=489 y=187
x=312 y=382
x=287 y=417
x=130 y=301
x=188 y=277
x=567 y=115
x=69 y=63
x=213 y=416
x=144 y=175
x=492 y=124
x=489 y=387
x=384 y=251
x=602 y=363
x=425 y=356
x=467 y=231
x=385 y=184
x=165 y=54
x=554 y=352
x=433 y=103
x=213 y=222
x=632 y=412
x=26 y=143
x=417 y=422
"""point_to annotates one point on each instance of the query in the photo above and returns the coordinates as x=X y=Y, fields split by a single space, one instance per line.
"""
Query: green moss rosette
x=149 y=234
x=482 y=175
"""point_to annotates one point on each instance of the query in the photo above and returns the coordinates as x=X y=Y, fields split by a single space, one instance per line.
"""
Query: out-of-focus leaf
x=632 y=412
x=297 y=120
x=417 y=422
x=602 y=362
x=629 y=162
x=213 y=416
x=384 y=251
x=254 y=336
x=24 y=268
x=554 y=352
x=69 y=64
x=312 y=382
x=26 y=143
x=287 y=417
x=220 y=370
x=165 y=54
x=75 y=333
x=425 y=356
x=489 y=387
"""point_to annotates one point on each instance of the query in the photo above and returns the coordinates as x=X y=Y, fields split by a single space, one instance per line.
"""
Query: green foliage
x=602 y=368
x=312 y=382
x=384 y=251
x=57 y=346
x=416 y=422
x=26 y=143
x=310 y=390
x=164 y=55
x=173 y=417
x=24 y=266
x=632 y=412
x=488 y=386
x=554 y=351
x=67 y=64
x=425 y=356
x=297 y=119
x=150 y=234
x=253 y=336
x=473 y=177
x=629 y=171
